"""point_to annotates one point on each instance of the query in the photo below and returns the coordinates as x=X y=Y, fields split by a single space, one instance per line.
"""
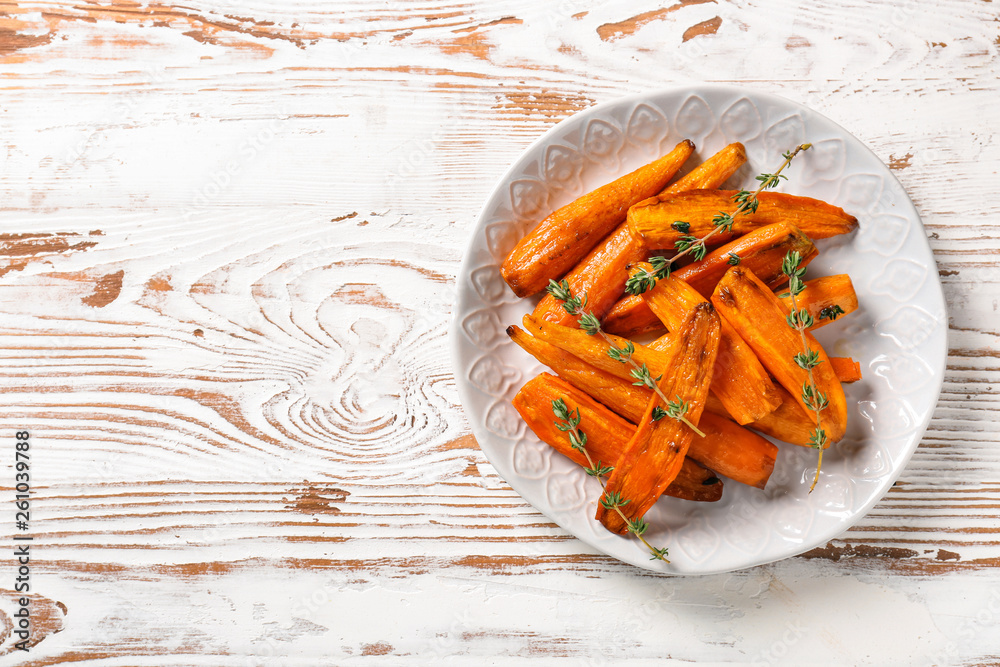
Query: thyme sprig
x=808 y=359
x=569 y=423
x=687 y=244
x=677 y=410
x=577 y=306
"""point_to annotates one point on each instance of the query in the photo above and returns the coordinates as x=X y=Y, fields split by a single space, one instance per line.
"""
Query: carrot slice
x=562 y=239
x=825 y=298
x=653 y=223
x=738 y=379
x=757 y=314
x=606 y=433
x=601 y=274
x=761 y=251
x=653 y=457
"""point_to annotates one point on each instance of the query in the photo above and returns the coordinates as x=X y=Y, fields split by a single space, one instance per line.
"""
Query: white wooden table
x=228 y=245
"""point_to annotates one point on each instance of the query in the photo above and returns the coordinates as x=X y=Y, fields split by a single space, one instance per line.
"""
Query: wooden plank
x=228 y=243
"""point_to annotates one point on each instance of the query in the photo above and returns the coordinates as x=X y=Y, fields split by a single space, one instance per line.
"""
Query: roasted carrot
x=607 y=434
x=617 y=393
x=711 y=173
x=758 y=316
x=738 y=380
x=654 y=455
x=594 y=349
x=601 y=274
x=631 y=317
x=789 y=423
x=695 y=482
x=654 y=222
x=733 y=451
x=825 y=298
x=629 y=401
x=562 y=239
x=761 y=251
x=847 y=369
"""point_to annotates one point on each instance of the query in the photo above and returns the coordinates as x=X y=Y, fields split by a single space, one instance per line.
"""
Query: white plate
x=898 y=334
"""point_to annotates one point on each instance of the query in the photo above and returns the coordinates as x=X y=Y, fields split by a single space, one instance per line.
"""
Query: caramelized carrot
x=607 y=434
x=789 y=422
x=733 y=451
x=653 y=222
x=711 y=173
x=631 y=317
x=617 y=393
x=562 y=239
x=847 y=369
x=825 y=298
x=601 y=274
x=758 y=316
x=594 y=349
x=745 y=466
x=654 y=455
x=738 y=380
x=761 y=251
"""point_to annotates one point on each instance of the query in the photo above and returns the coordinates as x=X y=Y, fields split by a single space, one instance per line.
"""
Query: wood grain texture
x=228 y=242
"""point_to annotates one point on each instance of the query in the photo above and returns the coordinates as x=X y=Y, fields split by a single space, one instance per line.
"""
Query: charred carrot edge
x=653 y=457
x=823 y=293
x=761 y=251
x=594 y=349
x=617 y=393
x=847 y=369
x=629 y=402
x=607 y=434
x=562 y=239
x=695 y=482
x=601 y=274
x=758 y=316
x=738 y=380
x=652 y=223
